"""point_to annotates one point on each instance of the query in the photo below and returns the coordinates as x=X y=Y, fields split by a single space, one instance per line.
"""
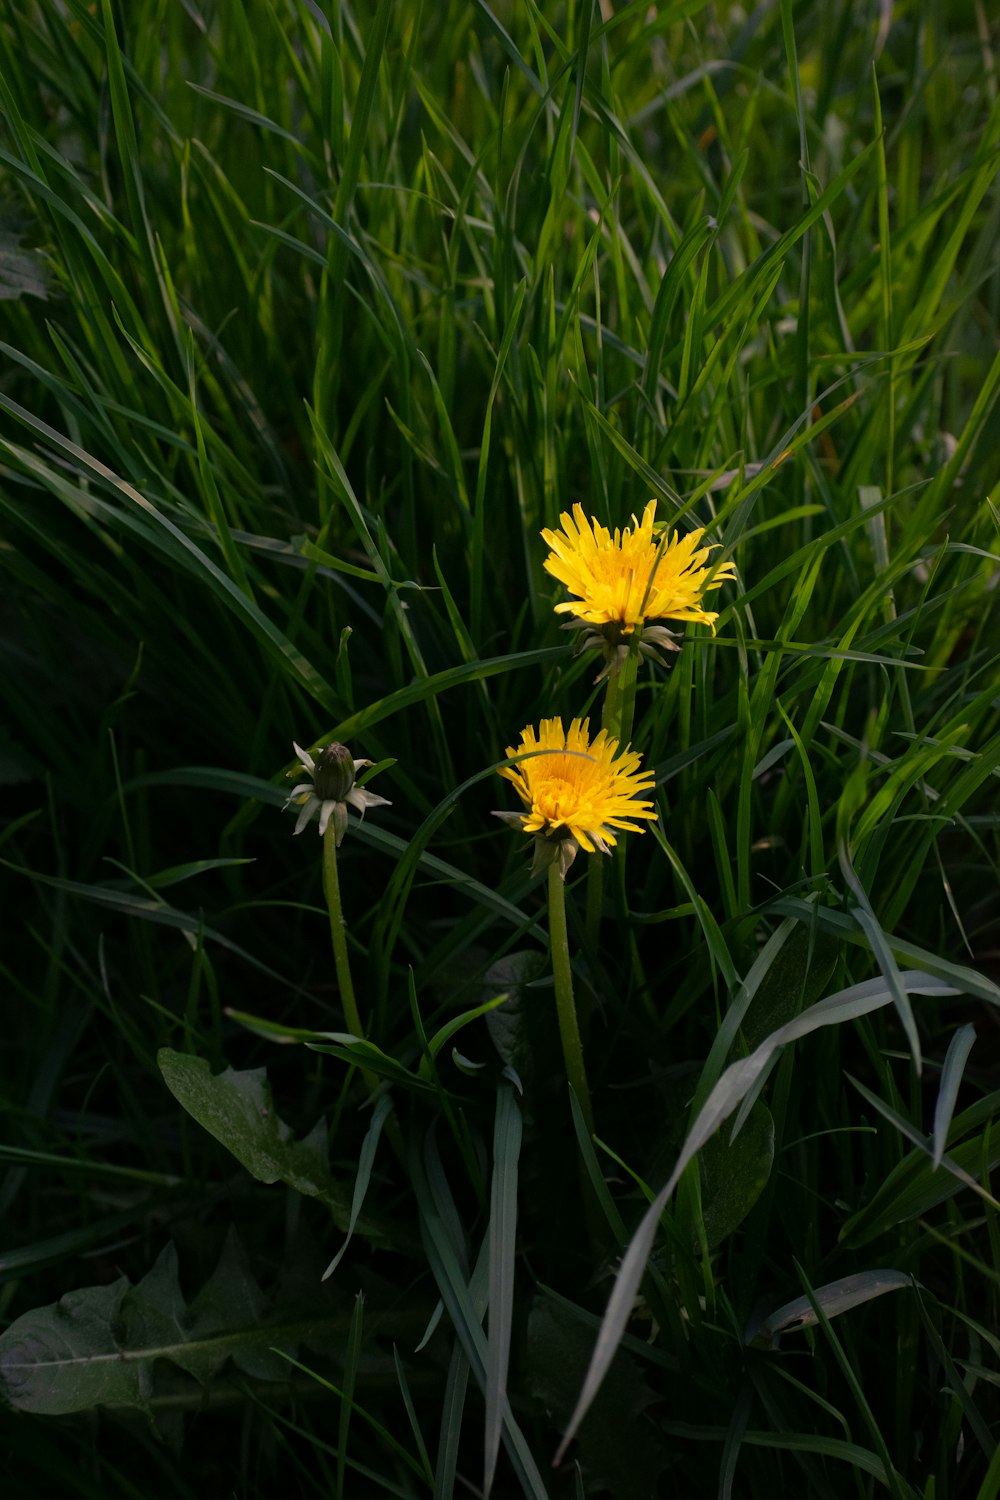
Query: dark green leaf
x=99 y=1346
x=734 y=1173
x=617 y=1449
x=237 y=1109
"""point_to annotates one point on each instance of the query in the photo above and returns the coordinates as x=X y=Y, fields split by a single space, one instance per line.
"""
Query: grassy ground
x=313 y=316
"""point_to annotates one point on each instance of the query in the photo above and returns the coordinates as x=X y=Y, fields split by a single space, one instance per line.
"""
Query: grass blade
x=732 y=1087
x=502 y=1246
x=951 y=1078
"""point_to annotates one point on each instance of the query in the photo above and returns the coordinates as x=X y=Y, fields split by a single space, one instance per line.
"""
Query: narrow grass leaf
x=959 y=1387
x=450 y=1028
x=914 y=1187
x=370 y=1421
x=222 y=586
x=734 y=1437
x=734 y=1084
x=366 y=1160
x=922 y=1144
x=834 y=1298
x=592 y=1167
x=965 y=980
x=147 y=910
x=364 y=1054
x=951 y=1078
x=81 y=1240
x=457 y=1298
x=502 y=1247
x=450 y=1433
x=352 y=1356
x=897 y=1487
x=411 y=1412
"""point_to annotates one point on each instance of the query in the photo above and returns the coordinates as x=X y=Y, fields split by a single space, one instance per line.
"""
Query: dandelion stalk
x=329 y=791
x=578 y=792
x=618 y=714
x=569 y=1031
x=622 y=583
x=341 y=960
x=338 y=933
x=617 y=718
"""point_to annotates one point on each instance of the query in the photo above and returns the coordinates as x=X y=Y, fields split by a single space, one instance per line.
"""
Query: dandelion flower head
x=330 y=789
x=636 y=574
x=576 y=789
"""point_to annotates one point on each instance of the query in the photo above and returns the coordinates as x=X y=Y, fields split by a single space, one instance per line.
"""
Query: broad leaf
x=615 y=1448
x=99 y=1346
x=237 y=1109
x=796 y=979
x=522 y=1029
x=22 y=272
x=734 y=1174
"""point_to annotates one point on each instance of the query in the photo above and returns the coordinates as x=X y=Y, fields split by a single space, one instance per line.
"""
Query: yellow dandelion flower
x=624 y=580
x=576 y=791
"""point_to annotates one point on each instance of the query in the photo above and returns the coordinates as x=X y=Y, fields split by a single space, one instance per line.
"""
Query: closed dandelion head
x=576 y=791
x=625 y=580
x=330 y=789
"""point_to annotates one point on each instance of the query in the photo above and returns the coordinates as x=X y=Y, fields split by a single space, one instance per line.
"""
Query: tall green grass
x=312 y=316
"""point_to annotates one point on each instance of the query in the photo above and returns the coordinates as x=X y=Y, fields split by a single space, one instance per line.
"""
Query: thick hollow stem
x=617 y=717
x=338 y=935
x=618 y=713
x=569 y=1031
x=338 y=932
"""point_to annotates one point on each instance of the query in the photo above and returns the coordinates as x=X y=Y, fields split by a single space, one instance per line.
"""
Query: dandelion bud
x=330 y=789
x=334 y=775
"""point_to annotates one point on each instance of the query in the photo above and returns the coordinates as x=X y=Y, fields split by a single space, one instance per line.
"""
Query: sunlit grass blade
x=952 y=1069
x=734 y=1084
x=455 y=1293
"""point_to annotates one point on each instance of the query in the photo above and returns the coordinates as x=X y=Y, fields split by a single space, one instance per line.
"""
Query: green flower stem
x=618 y=714
x=569 y=1031
x=617 y=717
x=338 y=935
x=338 y=932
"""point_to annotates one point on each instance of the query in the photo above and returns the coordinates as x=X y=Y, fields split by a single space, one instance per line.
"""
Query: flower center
x=557 y=799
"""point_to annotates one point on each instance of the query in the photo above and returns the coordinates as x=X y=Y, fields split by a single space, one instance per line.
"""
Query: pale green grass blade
x=917 y=1139
x=455 y=1293
x=896 y=1485
x=724 y=1098
x=366 y=1161
x=956 y=1057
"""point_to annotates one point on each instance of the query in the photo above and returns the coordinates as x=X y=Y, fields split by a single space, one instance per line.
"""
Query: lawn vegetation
x=314 y=315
